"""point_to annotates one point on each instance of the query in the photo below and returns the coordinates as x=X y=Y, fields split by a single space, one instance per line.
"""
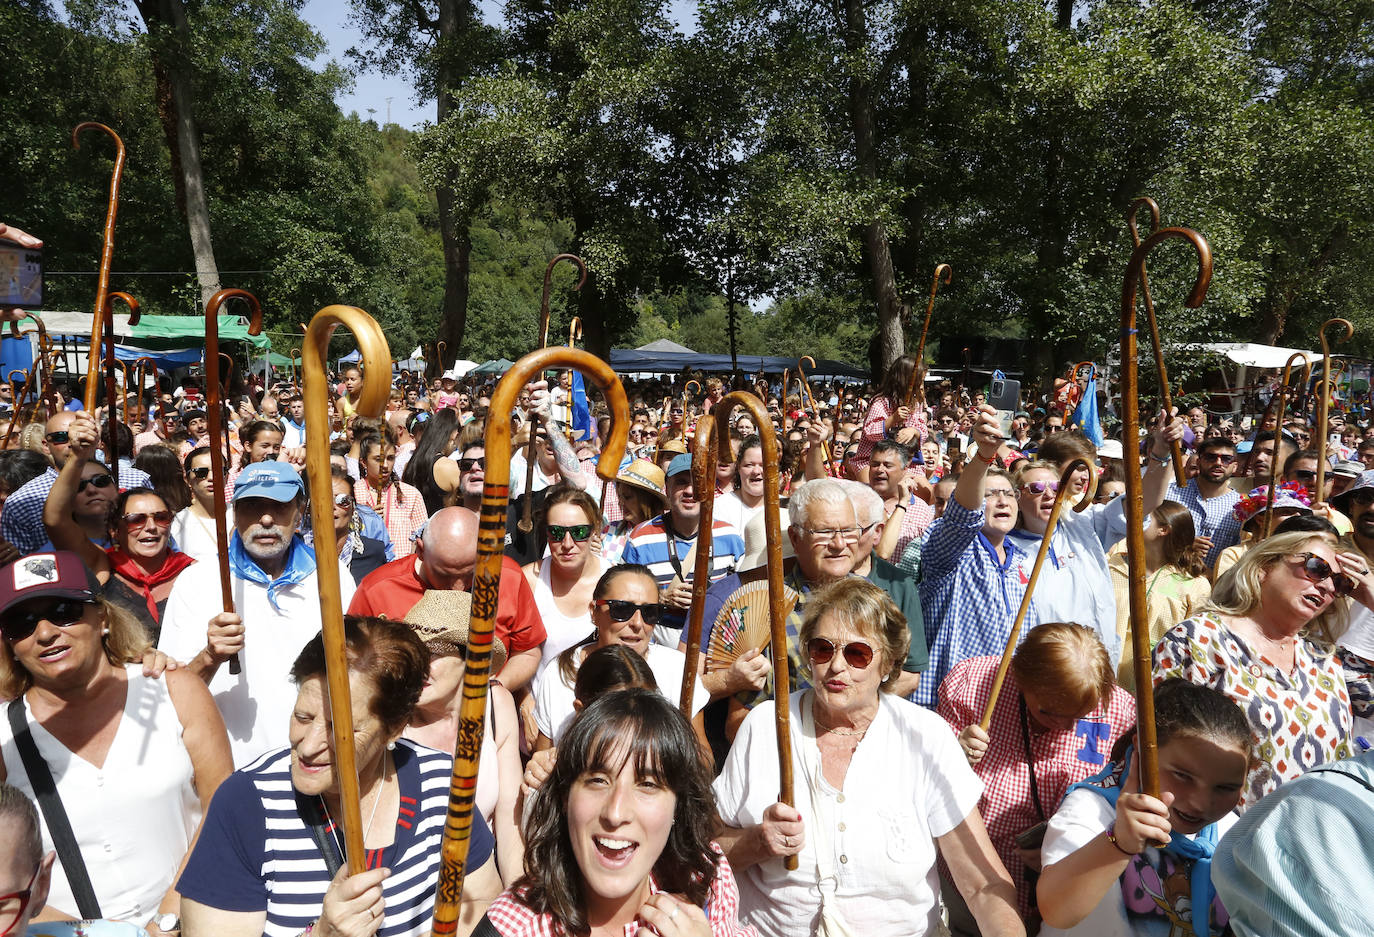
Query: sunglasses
x=621 y=610
x=856 y=654
x=19 y=624
x=1316 y=569
x=95 y=481
x=199 y=473
x=1221 y=457
x=160 y=518
x=1304 y=475
x=342 y=500
x=1039 y=488
x=61 y=437
x=467 y=465
x=579 y=532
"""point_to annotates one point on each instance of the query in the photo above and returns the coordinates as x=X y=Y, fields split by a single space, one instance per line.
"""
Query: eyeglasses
x=1316 y=569
x=13 y=905
x=199 y=472
x=621 y=610
x=95 y=481
x=1039 y=488
x=830 y=533
x=342 y=501
x=467 y=464
x=60 y=438
x=1222 y=457
x=990 y=493
x=856 y=654
x=1305 y=475
x=18 y=625
x=579 y=532
x=160 y=518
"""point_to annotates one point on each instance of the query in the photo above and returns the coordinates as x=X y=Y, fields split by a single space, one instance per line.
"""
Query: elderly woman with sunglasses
x=139 y=566
x=881 y=785
x=1267 y=640
x=624 y=608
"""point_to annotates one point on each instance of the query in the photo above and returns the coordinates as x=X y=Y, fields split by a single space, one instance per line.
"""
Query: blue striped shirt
x=648 y=544
x=968 y=597
x=255 y=851
x=1212 y=517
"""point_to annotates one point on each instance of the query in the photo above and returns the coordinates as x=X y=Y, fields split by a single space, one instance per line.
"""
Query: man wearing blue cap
x=667 y=545
x=276 y=597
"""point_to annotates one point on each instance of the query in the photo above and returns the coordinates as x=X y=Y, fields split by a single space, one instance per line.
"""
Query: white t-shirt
x=195 y=536
x=907 y=784
x=1081 y=817
x=257 y=703
x=733 y=511
x=553 y=699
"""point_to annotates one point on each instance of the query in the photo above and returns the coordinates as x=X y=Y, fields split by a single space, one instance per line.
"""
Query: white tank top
x=133 y=817
x=561 y=631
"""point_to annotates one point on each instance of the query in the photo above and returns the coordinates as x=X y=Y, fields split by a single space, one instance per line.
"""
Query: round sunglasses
x=579 y=532
x=856 y=653
x=1315 y=569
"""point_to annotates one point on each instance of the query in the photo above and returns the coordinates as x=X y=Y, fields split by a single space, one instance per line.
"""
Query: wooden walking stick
x=372 y=395
x=486 y=578
x=102 y=289
x=111 y=414
x=296 y=362
x=17 y=395
x=1146 y=745
x=214 y=416
x=945 y=272
x=142 y=367
x=772 y=525
x=704 y=461
x=574 y=332
x=815 y=413
x=1280 y=402
x=526 y=522
x=1161 y=372
x=785 y=377
x=441 y=347
x=1065 y=490
x=1324 y=401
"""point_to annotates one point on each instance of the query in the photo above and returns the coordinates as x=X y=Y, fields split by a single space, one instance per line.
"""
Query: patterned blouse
x=875 y=427
x=1301 y=719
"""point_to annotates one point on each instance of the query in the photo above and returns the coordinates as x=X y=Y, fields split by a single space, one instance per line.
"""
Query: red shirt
x=393 y=590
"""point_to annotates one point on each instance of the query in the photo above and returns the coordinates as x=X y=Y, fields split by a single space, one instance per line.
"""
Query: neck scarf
x=300 y=563
x=1198 y=850
x=128 y=568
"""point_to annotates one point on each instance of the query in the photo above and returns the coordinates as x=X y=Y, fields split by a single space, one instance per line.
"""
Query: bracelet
x=1110 y=833
x=901 y=506
x=1162 y=460
x=989 y=460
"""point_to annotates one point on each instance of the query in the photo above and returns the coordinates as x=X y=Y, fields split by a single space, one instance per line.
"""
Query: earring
x=105 y=633
x=391 y=746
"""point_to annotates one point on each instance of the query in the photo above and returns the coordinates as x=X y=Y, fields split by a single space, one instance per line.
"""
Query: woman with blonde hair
x=1176 y=583
x=1266 y=640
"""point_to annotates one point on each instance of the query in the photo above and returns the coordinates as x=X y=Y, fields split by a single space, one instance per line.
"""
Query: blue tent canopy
x=624 y=359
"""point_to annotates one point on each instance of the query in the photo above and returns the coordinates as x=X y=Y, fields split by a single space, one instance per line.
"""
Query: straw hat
x=673 y=445
x=641 y=473
x=440 y=619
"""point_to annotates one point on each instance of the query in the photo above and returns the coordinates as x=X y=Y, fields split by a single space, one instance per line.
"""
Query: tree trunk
x=890 y=340
x=454 y=218
x=165 y=21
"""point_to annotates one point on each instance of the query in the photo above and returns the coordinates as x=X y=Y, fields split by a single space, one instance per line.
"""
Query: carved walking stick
x=810 y=400
x=1324 y=401
x=1281 y=401
x=1161 y=372
x=486 y=578
x=372 y=395
x=945 y=272
x=772 y=525
x=1065 y=489
x=1135 y=509
x=111 y=414
x=526 y=521
x=101 y=309
x=214 y=416
x=704 y=461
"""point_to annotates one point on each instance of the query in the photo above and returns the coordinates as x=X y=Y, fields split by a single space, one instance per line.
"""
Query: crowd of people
x=181 y=756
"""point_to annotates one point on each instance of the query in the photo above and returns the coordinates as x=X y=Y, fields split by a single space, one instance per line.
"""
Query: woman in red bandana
x=138 y=565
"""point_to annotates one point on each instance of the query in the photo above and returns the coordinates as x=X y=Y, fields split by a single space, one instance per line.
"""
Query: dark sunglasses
x=95 y=481
x=61 y=437
x=1317 y=569
x=467 y=464
x=580 y=532
x=21 y=623
x=856 y=654
x=200 y=472
x=1304 y=475
x=343 y=500
x=1039 y=488
x=160 y=518
x=1222 y=457
x=621 y=610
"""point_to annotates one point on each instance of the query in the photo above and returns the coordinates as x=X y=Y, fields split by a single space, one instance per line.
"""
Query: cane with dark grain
x=486 y=578
x=102 y=287
x=296 y=362
x=809 y=400
x=214 y=417
x=1161 y=372
x=704 y=462
x=1280 y=402
x=111 y=414
x=19 y=392
x=142 y=367
x=1324 y=402
x=526 y=522
x=574 y=332
x=1146 y=744
x=1064 y=491
x=943 y=273
x=777 y=609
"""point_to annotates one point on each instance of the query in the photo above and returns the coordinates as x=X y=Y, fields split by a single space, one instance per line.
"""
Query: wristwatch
x=168 y=923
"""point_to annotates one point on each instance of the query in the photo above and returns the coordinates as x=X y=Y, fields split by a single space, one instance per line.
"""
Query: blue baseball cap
x=276 y=481
x=681 y=463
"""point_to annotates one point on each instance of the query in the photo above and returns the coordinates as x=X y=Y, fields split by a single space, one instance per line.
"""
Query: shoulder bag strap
x=54 y=814
x=1030 y=760
x=314 y=819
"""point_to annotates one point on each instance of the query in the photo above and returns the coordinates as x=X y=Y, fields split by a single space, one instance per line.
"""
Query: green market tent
x=189 y=331
x=499 y=366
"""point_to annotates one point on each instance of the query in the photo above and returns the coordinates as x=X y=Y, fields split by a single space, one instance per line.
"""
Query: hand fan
x=743 y=624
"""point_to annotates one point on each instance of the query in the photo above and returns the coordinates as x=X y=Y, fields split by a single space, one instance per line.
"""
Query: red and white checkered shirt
x=513 y=919
x=915 y=519
x=402 y=509
x=1061 y=758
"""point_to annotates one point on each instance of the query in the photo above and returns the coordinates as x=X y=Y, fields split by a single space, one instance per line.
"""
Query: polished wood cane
x=1161 y=372
x=486 y=578
x=777 y=606
x=372 y=397
x=102 y=306
x=1324 y=402
x=1281 y=402
x=704 y=461
x=1146 y=744
x=214 y=419
x=1064 y=491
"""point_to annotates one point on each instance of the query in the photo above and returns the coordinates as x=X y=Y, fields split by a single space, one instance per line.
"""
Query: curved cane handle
x=1324 y=401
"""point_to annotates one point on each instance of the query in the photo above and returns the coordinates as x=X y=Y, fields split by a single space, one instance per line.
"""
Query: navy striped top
x=255 y=850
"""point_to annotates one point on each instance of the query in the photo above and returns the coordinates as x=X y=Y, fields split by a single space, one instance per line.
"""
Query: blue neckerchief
x=1020 y=533
x=1107 y=785
x=300 y=563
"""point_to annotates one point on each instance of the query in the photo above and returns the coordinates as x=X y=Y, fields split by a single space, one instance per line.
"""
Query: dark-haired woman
x=401 y=506
x=165 y=474
x=357 y=551
x=619 y=837
x=193 y=527
x=269 y=860
x=140 y=566
x=889 y=417
x=1176 y=584
x=564 y=579
x=430 y=469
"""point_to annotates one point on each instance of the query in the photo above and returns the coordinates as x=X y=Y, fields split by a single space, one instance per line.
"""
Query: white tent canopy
x=1251 y=355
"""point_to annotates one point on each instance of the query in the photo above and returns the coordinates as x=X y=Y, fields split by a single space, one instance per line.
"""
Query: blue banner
x=1085 y=414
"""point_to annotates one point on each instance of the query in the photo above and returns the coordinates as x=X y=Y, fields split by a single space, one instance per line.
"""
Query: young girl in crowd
x=1103 y=876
